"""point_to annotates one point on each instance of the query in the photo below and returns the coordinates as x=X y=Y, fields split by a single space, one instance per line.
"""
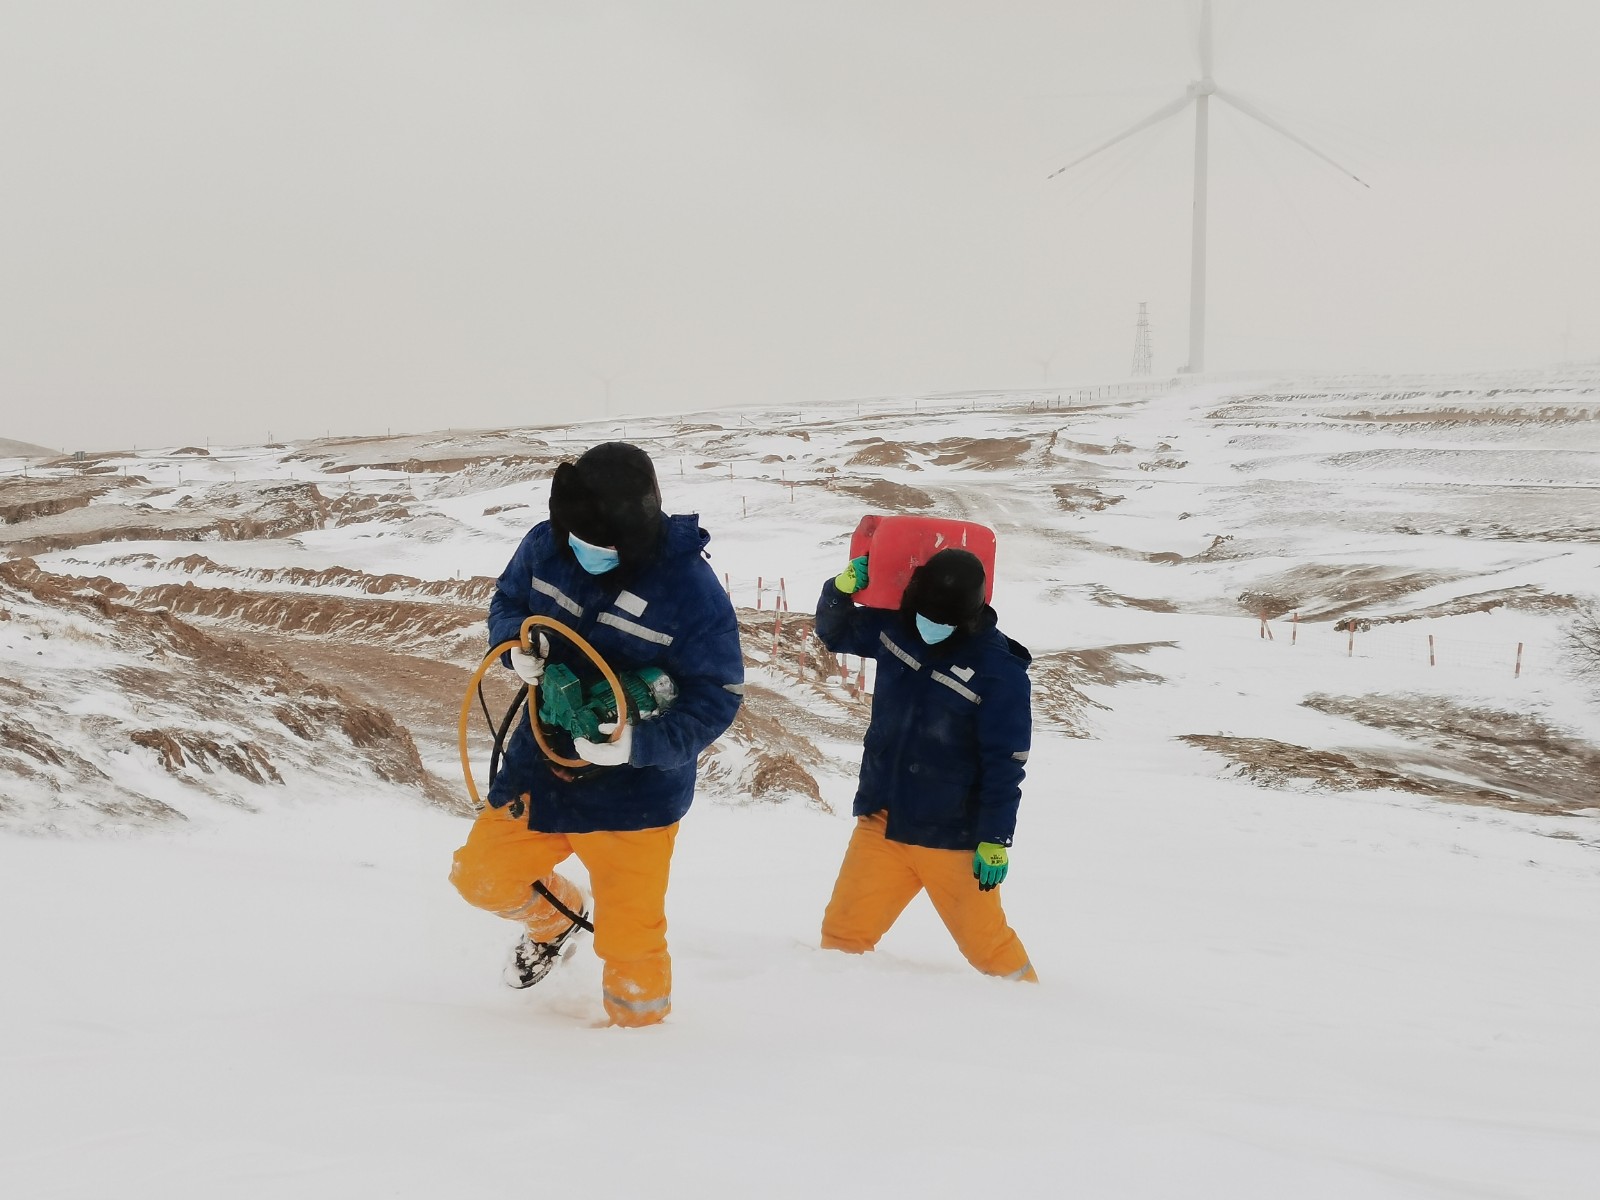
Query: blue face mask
x=932 y=632
x=596 y=560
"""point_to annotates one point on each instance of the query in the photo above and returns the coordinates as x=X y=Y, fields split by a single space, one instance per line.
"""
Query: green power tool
x=566 y=704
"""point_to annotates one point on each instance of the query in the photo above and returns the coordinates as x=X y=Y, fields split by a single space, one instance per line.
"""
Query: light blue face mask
x=932 y=632
x=596 y=560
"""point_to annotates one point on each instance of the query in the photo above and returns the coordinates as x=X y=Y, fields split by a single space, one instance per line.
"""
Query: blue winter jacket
x=670 y=613
x=951 y=725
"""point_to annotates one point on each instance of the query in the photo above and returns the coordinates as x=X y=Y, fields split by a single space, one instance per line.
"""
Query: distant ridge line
x=10 y=449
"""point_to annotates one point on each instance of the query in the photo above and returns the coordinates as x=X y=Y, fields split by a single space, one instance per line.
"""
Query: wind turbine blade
x=1161 y=114
x=1251 y=110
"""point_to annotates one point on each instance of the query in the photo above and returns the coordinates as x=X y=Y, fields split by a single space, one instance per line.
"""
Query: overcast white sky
x=310 y=215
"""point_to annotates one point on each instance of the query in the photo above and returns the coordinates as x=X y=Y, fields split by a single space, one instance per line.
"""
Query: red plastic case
x=898 y=545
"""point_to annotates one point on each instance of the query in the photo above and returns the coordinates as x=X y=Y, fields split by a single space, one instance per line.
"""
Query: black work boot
x=531 y=961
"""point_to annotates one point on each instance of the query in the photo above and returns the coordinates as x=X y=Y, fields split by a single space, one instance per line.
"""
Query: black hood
x=609 y=497
x=948 y=588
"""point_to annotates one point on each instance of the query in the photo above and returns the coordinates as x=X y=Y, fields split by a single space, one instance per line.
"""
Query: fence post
x=1294 y=627
x=1430 y=651
x=1517 y=674
x=1351 y=653
x=759 y=589
x=726 y=586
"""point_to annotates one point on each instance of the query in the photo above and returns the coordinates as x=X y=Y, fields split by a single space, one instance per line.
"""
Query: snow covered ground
x=1253 y=985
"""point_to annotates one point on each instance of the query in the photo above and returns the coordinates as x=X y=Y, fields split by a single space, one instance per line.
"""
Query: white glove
x=606 y=754
x=531 y=666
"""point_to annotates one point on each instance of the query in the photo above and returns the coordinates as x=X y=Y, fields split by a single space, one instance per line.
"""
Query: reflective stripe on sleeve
x=556 y=594
x=633 y=627
x=736 y=688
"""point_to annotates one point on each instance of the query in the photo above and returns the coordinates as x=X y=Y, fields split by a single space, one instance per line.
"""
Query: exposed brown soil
x=1117 y=447
x=206 y=682
x=439 y=625
x=121 y=531
x=982 y=454
x=1526 y=598
x=878 y=453
x=1080 y=497
x=180 y=747
x=1320 y=591
x=1547 y=415
x=418 y=691
x=18 y=738
x=385 y=622
x=1514 y=754
x=1460 y=754
x=1112 y=599
x=23 y=499
x=475 y=591
x=497 y=473
x=796 y=639
x=1565 y=405
x=780 y=758
x=979 y=454
x=231 y=512
x=1110 y=550
x=1059 y=678
x=1275 y=764
x=884 y=494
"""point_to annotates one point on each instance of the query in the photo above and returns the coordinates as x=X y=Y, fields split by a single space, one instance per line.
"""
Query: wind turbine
x=1199 y=94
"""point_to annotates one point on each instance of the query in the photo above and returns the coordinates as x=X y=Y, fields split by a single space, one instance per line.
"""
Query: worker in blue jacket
x=635 y=584
x=942 y=768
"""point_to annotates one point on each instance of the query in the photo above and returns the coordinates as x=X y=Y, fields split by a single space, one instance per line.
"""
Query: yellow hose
x=521 y=642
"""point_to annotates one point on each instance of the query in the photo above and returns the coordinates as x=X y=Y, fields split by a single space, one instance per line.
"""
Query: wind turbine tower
x=1199 y=93
x=1141 y=341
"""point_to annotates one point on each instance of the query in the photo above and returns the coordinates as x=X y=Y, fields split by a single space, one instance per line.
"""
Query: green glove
x=852 y=578
x=989 y=865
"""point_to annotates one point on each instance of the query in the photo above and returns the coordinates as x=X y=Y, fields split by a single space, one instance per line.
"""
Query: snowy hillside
x=1308 y=857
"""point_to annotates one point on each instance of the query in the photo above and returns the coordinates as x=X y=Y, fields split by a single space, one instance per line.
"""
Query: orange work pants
x=628 y=870
x=879 y=878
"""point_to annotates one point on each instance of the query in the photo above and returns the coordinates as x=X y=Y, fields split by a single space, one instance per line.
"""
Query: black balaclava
x=609 y=497
x=948 y=588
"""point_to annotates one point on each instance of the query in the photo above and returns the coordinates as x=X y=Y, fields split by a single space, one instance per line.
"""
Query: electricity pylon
x=1141 y=341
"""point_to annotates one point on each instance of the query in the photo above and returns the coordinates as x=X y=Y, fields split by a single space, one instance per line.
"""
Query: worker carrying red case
x=896 y=546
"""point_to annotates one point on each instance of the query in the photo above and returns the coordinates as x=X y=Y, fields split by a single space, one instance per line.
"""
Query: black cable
x=505 y=727
x=578 y=919
x=484 y=704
